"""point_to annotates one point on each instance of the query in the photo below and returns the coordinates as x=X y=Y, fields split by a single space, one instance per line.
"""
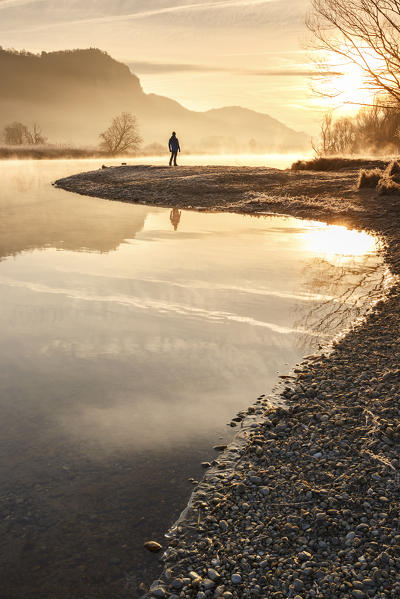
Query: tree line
x=120 y=137
x=374 y=129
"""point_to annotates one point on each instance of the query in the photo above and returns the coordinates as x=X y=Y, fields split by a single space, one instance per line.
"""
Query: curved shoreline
x=311 y=508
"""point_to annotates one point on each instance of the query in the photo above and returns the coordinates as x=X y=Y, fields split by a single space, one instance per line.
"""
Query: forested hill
x=73 y=95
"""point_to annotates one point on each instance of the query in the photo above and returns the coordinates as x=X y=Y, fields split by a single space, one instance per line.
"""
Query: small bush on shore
x=388 y=186
x=392 y=169
x=336 y=164
x=321 y=164
x=369 y=178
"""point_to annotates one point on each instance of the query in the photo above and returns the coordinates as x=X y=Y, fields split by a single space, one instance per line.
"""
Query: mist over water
x=131 y=336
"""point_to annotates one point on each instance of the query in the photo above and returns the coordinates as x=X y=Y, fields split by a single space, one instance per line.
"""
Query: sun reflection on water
x=332 y=241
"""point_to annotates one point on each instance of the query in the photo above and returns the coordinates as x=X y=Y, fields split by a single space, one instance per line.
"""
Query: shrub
x=369 y=178
x=388 y=186
x=392 y=169
x=336 y=164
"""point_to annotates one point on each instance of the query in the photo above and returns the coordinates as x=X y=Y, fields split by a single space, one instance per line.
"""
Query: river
x=131 y=336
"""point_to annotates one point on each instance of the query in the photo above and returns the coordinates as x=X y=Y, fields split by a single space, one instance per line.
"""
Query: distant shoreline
x=76 y=153
x=310 y=506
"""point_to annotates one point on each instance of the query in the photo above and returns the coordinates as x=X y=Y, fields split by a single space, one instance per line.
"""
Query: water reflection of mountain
x=35 y=215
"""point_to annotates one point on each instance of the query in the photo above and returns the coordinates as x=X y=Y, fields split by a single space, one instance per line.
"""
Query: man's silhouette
x=174 y=148
x=175 y=217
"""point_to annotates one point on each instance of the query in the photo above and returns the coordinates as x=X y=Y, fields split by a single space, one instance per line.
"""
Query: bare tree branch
x=364 y=32
x=122 y=135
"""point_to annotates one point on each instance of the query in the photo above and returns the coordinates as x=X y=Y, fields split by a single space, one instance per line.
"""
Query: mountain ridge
x=74 y=94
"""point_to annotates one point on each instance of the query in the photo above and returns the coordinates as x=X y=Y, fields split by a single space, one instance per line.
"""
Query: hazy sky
x=203 y=53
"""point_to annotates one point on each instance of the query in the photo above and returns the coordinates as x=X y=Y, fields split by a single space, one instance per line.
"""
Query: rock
x=358 y=594
x=298 y=584
x=256 y=480
x=177 y=583
x=304 y=556
x=208 y=584
x=158 y=592
x=236 y=578
x=213 y=574
x=220 y=447
x=152 y=546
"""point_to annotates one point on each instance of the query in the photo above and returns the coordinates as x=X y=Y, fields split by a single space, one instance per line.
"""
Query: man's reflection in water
x=175 y=217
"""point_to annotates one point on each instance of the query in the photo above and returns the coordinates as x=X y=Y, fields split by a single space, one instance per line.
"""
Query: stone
x=236 y=578
x=298 y=584
x=158 y=592
x=208 y=584
x=220 y=447
x=152 y=546
x=304 y=556
x=177 y=583
x=256 y=480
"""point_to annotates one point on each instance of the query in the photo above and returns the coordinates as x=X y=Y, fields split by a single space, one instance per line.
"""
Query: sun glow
x=347 y=88
x=337 y=241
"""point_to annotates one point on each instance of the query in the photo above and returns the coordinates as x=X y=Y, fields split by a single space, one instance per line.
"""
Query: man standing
x=174 y=148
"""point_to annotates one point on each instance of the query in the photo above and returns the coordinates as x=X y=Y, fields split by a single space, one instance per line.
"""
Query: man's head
x=173 y=133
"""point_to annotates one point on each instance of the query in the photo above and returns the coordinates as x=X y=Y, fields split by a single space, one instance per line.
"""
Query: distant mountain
x=73 y=95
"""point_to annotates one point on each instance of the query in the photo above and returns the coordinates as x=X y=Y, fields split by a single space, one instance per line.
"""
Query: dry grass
x=29 y=152
x=336 y=164
x=369 y=178
x=392 y=170
x=388 y=186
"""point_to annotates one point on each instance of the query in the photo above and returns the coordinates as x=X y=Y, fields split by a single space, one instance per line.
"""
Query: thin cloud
x=11 y=3
x=149 y=13
x=151 y=68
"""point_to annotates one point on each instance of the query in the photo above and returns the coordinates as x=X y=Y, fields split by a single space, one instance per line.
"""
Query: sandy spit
x=311 y=506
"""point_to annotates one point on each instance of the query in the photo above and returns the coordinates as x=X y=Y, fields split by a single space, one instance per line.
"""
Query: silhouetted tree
x=35 y=136
x=15 y=134
x=18 y=134
x=122 y=135
x=336 y=137
x=374 y=129
x=364 y=32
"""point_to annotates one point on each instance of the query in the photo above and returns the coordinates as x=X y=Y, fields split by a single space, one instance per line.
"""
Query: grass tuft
x=392 y=170
x=369 y=178
x=388 y=186
x=336 y=164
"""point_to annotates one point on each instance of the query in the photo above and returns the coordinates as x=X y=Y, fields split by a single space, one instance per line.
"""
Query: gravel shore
x=308 y=504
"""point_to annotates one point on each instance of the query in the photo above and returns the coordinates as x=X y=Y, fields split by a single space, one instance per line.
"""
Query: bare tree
x=121 y=135
x=18 y=134
x=35 y=136
x=15 y=134
x=364 y=32
x=374 y=128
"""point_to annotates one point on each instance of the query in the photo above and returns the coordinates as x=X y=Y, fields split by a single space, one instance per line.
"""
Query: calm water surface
x=131 y=335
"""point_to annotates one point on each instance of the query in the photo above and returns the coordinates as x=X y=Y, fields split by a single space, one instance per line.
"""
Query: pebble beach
x=307 y=503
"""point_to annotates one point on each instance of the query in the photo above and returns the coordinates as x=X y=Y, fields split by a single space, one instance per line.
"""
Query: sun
x=347 y=87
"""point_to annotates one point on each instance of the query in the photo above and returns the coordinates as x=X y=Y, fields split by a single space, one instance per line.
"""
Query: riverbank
x=311 y=506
